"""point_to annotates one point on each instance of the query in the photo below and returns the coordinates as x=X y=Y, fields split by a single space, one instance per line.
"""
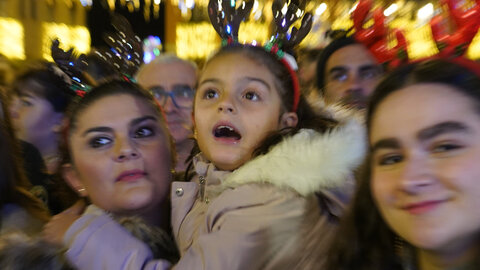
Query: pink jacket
x=253 y=218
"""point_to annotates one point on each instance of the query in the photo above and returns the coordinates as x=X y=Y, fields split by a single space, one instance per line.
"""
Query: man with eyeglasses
x=172 y=80
x=347 y=73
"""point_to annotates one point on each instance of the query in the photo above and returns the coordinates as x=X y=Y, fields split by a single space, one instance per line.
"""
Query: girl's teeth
x=227 y=127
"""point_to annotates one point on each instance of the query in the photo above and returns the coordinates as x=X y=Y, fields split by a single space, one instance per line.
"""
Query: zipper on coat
x=202 y=187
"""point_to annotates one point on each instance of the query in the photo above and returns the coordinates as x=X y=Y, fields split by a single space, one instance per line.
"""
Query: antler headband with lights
x=73 y=67
x=226 y=19
x=124 y=55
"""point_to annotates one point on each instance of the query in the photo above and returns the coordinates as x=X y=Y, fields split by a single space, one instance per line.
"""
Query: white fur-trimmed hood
x=308 y=161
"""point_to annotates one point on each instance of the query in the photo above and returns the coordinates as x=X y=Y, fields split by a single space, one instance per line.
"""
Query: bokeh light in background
x=11 y=39
x=152 y=46
x=77 y=37
x=194 y=38
x=407 y=15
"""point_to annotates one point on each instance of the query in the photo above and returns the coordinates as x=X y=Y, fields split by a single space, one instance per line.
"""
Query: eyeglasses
x=181 y=95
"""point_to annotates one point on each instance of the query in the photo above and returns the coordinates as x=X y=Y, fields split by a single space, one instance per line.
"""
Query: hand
x=56 y=228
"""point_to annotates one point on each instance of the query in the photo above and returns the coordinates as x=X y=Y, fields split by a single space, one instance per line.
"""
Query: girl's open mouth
x=226 y=132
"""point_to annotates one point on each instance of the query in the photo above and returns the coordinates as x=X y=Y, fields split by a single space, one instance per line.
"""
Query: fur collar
x=308 y=161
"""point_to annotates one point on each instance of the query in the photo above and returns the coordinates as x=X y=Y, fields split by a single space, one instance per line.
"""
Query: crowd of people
x=244 y=163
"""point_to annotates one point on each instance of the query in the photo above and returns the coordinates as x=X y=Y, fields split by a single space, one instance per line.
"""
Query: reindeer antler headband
x=375 y=37
x=466 y=24
x=226 y=19
x=124 y=55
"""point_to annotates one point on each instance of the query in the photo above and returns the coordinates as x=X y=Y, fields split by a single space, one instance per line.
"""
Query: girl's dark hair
x=308 y=118
x=110 y=88
x=14 y=185
x=364 y=241
x=455 y=73
x=44 y=82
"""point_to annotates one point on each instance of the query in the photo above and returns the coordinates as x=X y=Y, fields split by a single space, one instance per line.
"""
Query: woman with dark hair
x=119 y=157
x=40 y=98
x=416 y=206
x=19 y=210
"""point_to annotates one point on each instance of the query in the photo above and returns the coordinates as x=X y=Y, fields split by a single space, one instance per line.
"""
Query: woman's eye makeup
x=143 y=132
x=99 y=141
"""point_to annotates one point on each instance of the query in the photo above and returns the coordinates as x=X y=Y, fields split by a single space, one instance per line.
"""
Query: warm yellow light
x=68 y=3
x=189 y=4
x=77 y=37
x=353 y=7
x=419 y=38
x=255 y=6
x=11 y=39
x=250 y=31
x=321 y=9
x=111 y=4
x=474 y=49
x=425 y=12
x=199 y=40
x=284 y=9
x=390 y=10
x=196 y=40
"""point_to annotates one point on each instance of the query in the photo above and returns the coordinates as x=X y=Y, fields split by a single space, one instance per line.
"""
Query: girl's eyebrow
x=249 y=79
x=209 y=81
x=97 y=129
x=134 y=122
x=442 y=128
x=139 y=120
x=388 y=143
x=253 y=79
x=424 y=134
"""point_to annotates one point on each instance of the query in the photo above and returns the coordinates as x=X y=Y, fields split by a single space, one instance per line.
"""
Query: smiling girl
x=417 y=205
x=270 y=172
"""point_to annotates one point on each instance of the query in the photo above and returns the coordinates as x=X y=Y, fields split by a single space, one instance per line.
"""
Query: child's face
x=121 y=155
x=236 y=106
x=425 y=172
